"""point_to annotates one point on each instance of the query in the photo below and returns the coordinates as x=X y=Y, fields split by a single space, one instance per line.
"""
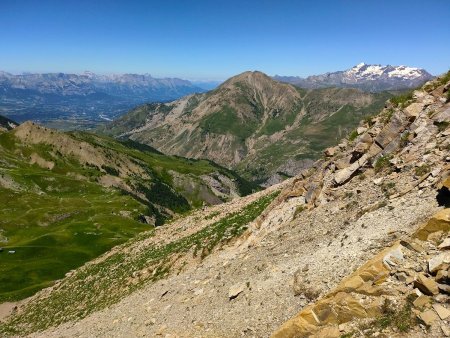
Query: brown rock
x=329 y=152
x=439 y=222
x=441 y=276
x=428 y=317
x=421 y=301
x=427 y=285
x=442 y=312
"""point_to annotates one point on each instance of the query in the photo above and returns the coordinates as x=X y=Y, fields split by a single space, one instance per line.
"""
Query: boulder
x=442 y=276
x=444 y=288
x=427 y=285
x=414 y=109
x=395 y=126
x=345 y=174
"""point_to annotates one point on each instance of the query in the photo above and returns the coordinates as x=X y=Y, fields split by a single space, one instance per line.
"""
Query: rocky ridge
x=366 y=195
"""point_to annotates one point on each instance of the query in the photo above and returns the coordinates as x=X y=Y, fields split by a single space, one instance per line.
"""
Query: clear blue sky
x=201 y=39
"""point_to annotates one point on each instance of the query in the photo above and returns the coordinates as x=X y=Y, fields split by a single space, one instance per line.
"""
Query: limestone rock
x=428 y=317
x=412 y=245
x=427 y=285
x=396 y=125
x=421 y=301
x=439 y=222
x=439 y=262
x=441 y=276
x=444 y=288
x=445 y=245
x=361 y=130
x=414 y=109
x=442 y=312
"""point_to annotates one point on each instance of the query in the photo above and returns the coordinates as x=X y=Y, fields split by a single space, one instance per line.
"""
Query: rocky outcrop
x=389 y=275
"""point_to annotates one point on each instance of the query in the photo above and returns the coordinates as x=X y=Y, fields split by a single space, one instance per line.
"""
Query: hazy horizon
x=202 y=41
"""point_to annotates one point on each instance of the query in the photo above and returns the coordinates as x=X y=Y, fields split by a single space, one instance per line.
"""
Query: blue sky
x=200 y=39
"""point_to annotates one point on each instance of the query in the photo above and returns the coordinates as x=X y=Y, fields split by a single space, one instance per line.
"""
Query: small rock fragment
x=235 y=290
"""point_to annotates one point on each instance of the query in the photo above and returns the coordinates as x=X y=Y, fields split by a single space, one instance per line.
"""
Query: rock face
x=265 y=129
x=367 y=77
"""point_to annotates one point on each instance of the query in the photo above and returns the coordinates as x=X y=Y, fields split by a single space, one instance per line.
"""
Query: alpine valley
x=72 y=101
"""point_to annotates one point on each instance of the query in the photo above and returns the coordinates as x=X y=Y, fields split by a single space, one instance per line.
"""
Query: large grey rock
x=345 y=174
x=395 y=126
x=414 y=109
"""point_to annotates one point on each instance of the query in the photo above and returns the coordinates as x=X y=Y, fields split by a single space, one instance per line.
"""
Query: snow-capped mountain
x=367 y=77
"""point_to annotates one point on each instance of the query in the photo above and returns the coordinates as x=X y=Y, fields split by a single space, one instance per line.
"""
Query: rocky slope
x=372 y=78
x=68 y=197
x=264 y=129
x=248 y=267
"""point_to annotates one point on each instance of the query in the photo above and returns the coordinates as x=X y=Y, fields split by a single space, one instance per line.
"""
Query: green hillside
x=61 y=208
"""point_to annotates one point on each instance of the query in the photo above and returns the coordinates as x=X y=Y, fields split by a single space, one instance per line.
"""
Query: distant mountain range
x=374 y=78
x=83 y=98
x=265 y=129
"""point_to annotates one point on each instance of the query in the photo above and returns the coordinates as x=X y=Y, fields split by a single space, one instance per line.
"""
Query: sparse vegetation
x=402 y=318
x=443 y=125
x=382 y=163
x=298 y=210
x=353 y=135
x=404 y=139
x=402 y=101
x=422 y=170
x=100 y=284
